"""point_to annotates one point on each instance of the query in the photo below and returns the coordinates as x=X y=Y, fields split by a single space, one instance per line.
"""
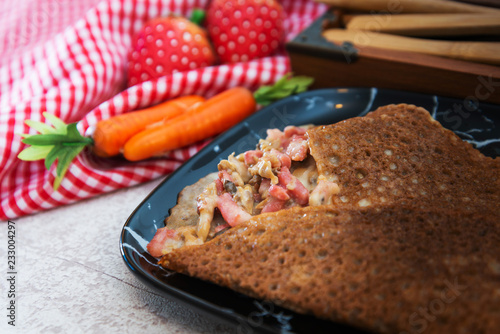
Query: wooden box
x=347 y=66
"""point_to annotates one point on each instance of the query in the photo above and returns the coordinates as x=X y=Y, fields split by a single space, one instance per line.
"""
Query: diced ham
x=273 y=205
x=251 y=157
x=294 y=187
x=224 y=176
x=227 y=181
x=284 y=137
x=283 y=158
x=279 y=192
x=219 y=186
x=298 y=148
x=162 y=236
x=291 y=130
x=274 y=135
x=232 y=213
x=221 y=227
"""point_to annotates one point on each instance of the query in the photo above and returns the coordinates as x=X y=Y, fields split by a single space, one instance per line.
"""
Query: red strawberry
x=242 y=30
x=166 y=45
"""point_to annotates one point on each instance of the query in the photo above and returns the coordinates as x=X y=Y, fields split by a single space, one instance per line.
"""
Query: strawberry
x=242 y=30
x=167 y=45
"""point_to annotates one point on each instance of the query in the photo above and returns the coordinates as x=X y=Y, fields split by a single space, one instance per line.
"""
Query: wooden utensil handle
x=428 y=24
x=484 y=52
x=409 y=6
x=491 y=3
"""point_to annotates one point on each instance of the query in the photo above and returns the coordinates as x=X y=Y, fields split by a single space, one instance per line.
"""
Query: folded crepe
x=387 y=269
x=412 y=220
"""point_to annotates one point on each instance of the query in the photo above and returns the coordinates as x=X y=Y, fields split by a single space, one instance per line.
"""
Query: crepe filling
x=279 y=174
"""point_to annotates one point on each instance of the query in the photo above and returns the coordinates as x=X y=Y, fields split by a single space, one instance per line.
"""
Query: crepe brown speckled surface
x=385 y=269
x=410 y=244
x=399 y=154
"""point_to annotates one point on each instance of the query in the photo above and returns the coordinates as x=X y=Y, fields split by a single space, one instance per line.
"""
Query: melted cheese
x=306 y=172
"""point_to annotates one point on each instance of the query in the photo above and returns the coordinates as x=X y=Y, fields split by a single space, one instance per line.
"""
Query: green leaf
x=34 y=153
x=71 y=137
x=74 y=136
x=40 y=127
x=284 y=87
x=198 y=16
x=57 y=181
x=281 y=82
x=64 y=161
x=300 y=83
x=59 y=125
x=52 y=156
x=265 y=101
x=47 y=139
x=67 y=154
x=263 y=90
x=276 y=95
x=60 y=142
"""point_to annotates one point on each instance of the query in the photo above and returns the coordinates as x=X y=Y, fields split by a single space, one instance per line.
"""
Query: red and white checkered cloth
x=68 y=57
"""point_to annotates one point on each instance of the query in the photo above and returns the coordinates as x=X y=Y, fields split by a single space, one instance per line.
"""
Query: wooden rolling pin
x=483 y=52
x=409 y=6
x=428 y=24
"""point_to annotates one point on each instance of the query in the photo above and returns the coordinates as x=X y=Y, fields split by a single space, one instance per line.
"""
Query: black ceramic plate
x=473 y=121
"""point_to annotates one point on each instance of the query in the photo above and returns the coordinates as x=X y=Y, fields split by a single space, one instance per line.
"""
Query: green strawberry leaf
x=284 y=87
x=198 y=16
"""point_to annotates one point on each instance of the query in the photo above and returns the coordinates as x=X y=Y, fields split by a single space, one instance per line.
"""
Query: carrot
x=111 y=134
x=209 y=118
x=204 y=120
x=154 y=130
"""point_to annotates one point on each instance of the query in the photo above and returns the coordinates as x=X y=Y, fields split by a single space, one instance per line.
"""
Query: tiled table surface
x=71 y=277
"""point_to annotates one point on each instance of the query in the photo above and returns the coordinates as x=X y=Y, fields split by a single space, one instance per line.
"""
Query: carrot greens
x=62 y=142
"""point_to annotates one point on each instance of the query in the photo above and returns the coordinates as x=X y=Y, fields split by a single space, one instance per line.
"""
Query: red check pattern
x=69 y=58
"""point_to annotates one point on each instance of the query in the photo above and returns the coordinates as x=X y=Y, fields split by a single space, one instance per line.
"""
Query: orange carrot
x=204 y=120
x=111 y=134
x=154 y=130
